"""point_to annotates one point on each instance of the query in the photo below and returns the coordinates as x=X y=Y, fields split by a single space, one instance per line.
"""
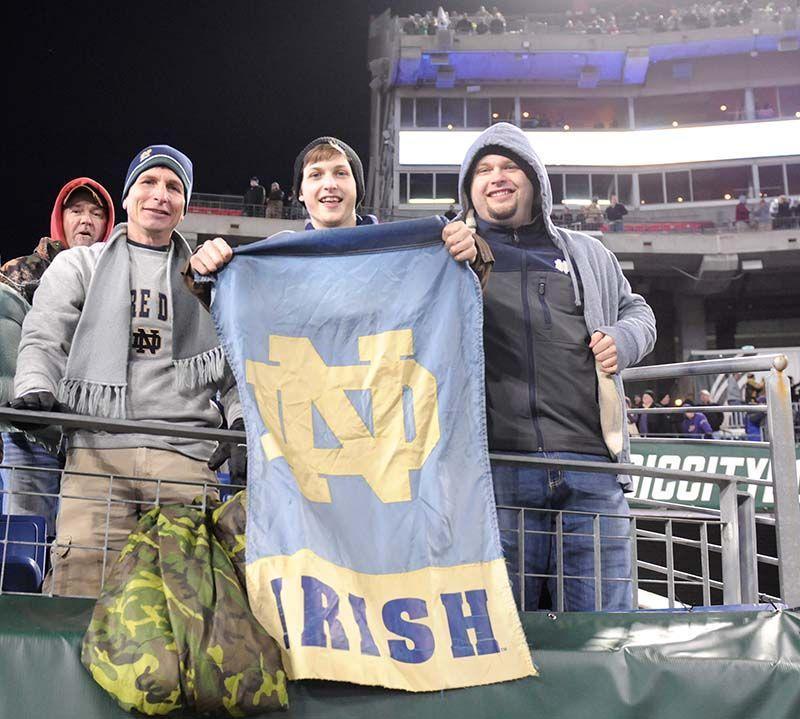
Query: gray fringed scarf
x=95 y=381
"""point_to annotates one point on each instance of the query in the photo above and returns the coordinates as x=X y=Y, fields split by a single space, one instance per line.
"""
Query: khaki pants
x=97 y=513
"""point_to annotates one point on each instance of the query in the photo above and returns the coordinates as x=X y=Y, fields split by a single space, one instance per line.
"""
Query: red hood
x=56 y=218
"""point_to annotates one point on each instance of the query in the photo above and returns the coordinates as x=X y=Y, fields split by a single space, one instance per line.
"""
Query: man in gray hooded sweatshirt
x=560 y=323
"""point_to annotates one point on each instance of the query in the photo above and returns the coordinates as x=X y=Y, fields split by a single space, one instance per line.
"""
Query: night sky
x=240 y=87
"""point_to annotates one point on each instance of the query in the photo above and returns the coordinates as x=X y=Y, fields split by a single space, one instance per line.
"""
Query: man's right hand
x=213 y=255
x=39 y=401
x=460 y=241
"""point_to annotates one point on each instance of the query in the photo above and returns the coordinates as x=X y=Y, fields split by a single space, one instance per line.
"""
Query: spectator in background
x=715 y=419
x=754 y=421
x=695 y=424
x=742 y=216
x=765 y=111
x=288 y=204
x=733 y=392
x=275 y=202
x=650 y=424
x=761 y=215
x=752 y=388
x=83 y=213
x=593 y=215
x=614 y=214
x=254 y=199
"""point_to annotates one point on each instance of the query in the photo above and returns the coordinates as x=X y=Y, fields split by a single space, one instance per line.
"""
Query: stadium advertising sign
x=717 y=459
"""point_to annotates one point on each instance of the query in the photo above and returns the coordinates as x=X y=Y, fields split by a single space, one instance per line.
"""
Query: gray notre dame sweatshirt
x=152 y=390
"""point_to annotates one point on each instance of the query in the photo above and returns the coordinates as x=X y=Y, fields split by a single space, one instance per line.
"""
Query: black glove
x=235 y=454
x=41 y=401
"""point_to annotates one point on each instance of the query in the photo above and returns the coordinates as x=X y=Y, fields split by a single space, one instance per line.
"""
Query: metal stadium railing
x=682 y=555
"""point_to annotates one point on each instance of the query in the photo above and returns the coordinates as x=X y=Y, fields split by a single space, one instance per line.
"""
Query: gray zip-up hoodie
x=609 y=305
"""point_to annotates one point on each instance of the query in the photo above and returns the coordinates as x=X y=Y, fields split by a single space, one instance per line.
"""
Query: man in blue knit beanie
x=113 y=334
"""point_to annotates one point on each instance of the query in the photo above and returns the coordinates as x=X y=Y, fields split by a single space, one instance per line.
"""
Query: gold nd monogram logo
x=286 y=391
x=146 y=154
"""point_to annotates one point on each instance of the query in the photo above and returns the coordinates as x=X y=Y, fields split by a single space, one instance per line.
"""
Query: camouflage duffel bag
x=173 y=630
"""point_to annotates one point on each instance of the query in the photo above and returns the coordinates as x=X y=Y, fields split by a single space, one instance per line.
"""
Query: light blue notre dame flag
x=373 y=553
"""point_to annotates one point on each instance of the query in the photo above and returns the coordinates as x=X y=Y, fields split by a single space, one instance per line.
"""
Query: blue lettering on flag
x=321 y=607
x=420 y=636
x=478 y=620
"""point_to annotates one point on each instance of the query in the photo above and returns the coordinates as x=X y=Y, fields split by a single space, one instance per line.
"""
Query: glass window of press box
x=679 y=186
x=452 y=112
x=427 y=112
x=502 y=109
x=770 y=180
x=689 y=109
x=578 y=113
x=721 y=183
x=441 y=186
x=478 y=113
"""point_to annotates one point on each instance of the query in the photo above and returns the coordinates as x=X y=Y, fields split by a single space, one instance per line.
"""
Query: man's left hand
x=605 y=352
x=235 y=454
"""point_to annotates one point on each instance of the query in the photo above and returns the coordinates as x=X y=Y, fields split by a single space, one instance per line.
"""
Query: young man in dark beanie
x=329 y=181
x=112 y=333
x=560 y=323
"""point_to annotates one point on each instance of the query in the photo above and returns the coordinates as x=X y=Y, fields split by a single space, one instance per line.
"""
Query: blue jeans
x=19 y=452
x=544 y=492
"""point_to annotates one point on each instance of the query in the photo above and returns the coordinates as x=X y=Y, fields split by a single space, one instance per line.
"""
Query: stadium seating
x=23 y=541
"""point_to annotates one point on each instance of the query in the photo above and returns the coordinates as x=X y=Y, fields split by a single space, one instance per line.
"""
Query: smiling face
x=83 y=220
x=328 y=188
x=501 y=191
x=155 y=205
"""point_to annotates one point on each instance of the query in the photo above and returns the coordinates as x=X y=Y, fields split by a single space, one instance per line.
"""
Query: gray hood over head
x=505 y=135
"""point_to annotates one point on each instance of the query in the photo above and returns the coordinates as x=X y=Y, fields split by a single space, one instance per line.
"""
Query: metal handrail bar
x=120 y=426
x=725 y=365
x=625 y=468
x=166 y=429
x=697 y=408
x=704 y=442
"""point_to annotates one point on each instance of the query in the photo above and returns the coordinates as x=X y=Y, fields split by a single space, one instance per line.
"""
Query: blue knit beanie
x=161 y=156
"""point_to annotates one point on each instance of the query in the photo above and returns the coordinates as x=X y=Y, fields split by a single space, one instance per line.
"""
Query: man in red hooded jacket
x=83 y=214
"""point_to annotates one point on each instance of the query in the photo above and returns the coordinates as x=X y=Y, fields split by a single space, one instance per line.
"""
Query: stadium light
x=752 y=265
x=674 y=123
x=723 y=108
x=566 y=127
x=620 y=148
